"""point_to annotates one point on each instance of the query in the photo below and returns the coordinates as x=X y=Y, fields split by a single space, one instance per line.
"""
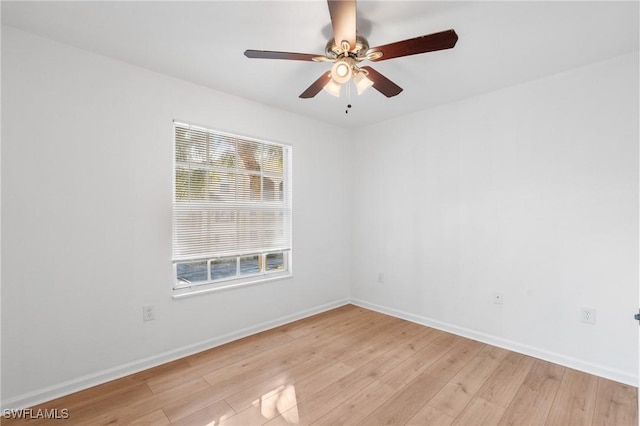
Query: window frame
x=281 y=206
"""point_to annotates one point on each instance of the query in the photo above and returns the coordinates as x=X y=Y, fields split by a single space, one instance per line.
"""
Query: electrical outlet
x=588 y=315
x=148 y=313
x=497 y=298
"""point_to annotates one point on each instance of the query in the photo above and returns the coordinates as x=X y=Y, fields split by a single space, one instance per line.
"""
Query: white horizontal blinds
x=232 y=195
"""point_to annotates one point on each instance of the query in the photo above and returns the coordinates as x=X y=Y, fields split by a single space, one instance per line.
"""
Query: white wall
x=86 y=210
x=530 y=191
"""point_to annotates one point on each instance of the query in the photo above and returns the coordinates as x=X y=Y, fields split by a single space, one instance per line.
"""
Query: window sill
x=182 y=293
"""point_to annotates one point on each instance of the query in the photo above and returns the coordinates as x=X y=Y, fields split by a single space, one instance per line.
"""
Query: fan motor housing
x=334 y=51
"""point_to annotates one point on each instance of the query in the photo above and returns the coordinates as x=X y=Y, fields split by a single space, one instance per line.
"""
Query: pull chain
x=346 y=111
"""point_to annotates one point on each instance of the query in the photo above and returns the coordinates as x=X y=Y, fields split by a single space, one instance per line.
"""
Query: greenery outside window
x=231 y=210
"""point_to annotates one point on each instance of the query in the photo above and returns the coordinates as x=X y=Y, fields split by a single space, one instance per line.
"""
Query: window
x=231 y=209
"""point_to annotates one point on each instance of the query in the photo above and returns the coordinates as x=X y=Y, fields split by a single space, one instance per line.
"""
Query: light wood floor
x=354 y=366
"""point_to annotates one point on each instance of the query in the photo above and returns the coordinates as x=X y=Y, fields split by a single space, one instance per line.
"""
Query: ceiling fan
x=348 y=49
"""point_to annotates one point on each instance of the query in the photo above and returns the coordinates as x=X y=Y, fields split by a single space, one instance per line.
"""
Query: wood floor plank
x=378 y=344
x=575 y=400
x=155 y=418
x=350 y=365
x=532 y=402
x=387 y=361
x=350 y=327
x=326 y=399
x=211 y=414
x=141 y=406
x=267 y=363
x=77 y=403
x=160 y=371
x=249 y=394
x=253 y=416
x=288 y=418
x=404 y=350
x=353 y=410
x=283 y=401
x=411 y=367
x=80 y=414
x=403 y=405
x=233 y=351
x=93 y=395
x=231 y=381
x=169 y=379
x=344 y=323
x=456 y=394
x=616 y=404
x=314 y=323
x=321 y=379
x=356 y=337
x=183 y=407
x=480 y=412
x=502 y=385
x=429 y=415
x=246 y=355
x=453 y=361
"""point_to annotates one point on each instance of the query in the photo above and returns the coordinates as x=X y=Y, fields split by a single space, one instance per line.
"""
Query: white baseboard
x=56 y=391
x=574 y=363
x=52 y=392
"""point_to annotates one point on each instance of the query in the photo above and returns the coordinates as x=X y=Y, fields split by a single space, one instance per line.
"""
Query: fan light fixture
x=362 y=82
x=342 y=71
x=333 y=88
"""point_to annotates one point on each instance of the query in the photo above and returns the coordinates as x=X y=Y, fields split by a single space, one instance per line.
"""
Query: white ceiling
x=500 y=44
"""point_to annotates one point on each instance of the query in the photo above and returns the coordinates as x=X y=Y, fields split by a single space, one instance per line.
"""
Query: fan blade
x=316 y=86
x=381 y=83
x=426 y=43
x=268 y=54
x=343 y=21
